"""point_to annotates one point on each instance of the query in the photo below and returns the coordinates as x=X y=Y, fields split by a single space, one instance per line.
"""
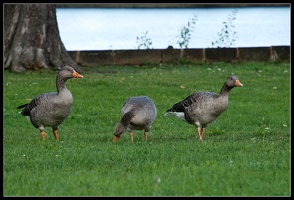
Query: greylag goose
x=202 y=108
x=137 y=113
x=51 y=109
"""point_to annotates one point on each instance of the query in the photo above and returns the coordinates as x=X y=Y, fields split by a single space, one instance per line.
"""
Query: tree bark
x=32 y=40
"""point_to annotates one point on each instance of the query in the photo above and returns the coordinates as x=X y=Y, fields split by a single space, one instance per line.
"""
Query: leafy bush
x=227 y=36
x=144 y=41
x=185 y=32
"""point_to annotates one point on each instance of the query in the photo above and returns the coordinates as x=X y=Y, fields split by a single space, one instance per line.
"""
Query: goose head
x=119 y=130
x=69 y=72
x=233 y=81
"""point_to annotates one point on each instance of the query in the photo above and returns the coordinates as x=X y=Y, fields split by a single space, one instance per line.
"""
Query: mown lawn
x=245 y=152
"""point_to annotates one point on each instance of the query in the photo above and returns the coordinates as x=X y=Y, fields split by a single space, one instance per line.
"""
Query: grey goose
x=51 y=109
x=137 y=113
x=202 y=108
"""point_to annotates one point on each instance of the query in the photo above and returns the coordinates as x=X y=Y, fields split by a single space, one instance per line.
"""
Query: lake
x=118 y=28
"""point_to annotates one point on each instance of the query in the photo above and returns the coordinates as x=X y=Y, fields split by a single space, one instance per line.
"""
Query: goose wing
x=36 y=101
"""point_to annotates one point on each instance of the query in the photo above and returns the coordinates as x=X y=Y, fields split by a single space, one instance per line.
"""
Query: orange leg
x=55 y=134
x=145 y=135
x=132 y=136
x=202 y=131
x=43 y=135
x=199 y=133
x=115 y=138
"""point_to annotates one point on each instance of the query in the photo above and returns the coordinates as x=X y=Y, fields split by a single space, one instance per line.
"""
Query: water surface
x=118 y=28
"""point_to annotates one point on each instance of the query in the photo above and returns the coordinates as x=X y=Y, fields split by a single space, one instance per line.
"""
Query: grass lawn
x=245 y=152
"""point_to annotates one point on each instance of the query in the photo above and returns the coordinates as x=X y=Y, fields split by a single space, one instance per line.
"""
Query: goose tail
x=169 y=113
x=180 y=115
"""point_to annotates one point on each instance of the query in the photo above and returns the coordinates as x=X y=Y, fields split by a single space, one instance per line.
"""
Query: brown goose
x=51 y=109
x=202 y=108
x=137 y=113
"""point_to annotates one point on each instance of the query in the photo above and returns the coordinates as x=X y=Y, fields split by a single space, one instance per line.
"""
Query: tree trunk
x=32 y=40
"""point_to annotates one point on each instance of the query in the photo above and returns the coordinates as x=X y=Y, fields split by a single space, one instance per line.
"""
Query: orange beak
x=115 y=138
x=238 y=83
x=76 y=75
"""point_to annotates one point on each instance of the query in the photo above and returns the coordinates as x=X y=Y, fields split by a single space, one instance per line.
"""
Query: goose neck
x=60 y=83
x=225 y=90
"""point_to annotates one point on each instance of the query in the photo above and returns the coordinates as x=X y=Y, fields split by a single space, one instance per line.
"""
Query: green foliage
x=227 y=36
x=245 y=152
x=185 y=32
x=144 y=41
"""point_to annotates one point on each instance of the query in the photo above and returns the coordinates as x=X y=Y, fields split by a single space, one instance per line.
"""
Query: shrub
x=227 y=36
x=144 y=41
x=185 y=32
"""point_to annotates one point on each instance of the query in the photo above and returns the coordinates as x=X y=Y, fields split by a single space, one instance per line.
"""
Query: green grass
x=245 y=152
